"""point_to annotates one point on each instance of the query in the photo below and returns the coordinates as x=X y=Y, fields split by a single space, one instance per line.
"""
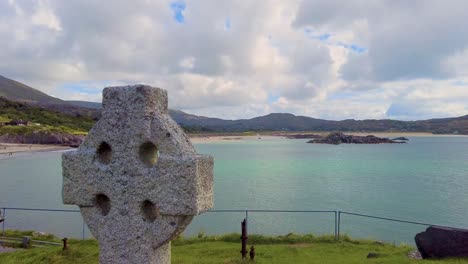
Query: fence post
x=83 y=230
x=339 y=224
x=244 y=239
x=3 y=222
x=336 y=233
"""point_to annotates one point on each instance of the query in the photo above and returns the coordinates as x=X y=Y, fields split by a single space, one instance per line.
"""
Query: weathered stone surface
x=441 y=242
x=137 y=178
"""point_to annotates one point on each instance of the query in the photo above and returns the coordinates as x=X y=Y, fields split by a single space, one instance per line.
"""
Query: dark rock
x=442 y=242
x=26 y=243
x=401 y=138
x=373 y=255
x=337 y=138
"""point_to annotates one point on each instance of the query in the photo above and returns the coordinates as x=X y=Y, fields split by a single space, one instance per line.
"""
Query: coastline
x=11 y=150
x=216 y=138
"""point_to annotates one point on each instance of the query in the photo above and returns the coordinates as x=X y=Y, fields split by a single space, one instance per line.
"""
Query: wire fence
x=337 y=215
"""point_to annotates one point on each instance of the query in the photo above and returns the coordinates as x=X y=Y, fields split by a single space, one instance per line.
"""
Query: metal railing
x=4 y=209
x=337 y=216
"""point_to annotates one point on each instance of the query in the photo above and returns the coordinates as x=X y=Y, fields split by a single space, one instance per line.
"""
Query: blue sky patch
x=178 y=9
x=324 y=37
x=353 y=47
x=460 y=83
x=273 y=98
x=357 y=48
x=85 y=87
x=227 y=24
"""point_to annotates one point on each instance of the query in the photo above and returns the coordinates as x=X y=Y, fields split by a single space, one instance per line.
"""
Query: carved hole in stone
x=168 y=134
x=104 y=153
x=149 y=154
x=103 y=203
x=150 y=211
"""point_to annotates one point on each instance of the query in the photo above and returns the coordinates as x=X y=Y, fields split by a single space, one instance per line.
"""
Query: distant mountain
x=92 y=105
x=16 y=91
x=289 y=122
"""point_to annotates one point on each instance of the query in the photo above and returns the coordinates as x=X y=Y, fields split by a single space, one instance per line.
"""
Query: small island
x=337 y=138
x=401 y=139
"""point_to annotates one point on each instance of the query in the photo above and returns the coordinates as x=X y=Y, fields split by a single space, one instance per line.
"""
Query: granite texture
x=136 y=177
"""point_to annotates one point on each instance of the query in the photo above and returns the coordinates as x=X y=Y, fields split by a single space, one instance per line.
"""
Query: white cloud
x=322 y=58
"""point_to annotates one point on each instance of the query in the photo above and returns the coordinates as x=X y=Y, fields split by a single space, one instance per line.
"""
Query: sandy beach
x=8 y=150
x=206 y=138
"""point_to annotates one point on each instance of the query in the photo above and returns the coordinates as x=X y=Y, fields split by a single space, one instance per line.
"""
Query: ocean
x=425 y=181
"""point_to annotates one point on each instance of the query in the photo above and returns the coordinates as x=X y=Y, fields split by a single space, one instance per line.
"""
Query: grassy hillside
x=225 y=249
x=48 y=120
x=20 y=92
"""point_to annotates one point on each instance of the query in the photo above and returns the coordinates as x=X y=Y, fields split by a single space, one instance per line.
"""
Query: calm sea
x=425 y=180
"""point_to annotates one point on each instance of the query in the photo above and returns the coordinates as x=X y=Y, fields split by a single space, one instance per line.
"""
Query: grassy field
x=225 y=249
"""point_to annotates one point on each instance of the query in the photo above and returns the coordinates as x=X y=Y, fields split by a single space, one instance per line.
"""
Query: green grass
x=28 y=130
x=291 y=248
x=4 y=119
x=50 y=121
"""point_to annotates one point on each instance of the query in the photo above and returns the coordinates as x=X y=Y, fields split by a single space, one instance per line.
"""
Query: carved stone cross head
x=136 y=177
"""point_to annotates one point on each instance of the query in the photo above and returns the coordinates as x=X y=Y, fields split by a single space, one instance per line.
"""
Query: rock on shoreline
x=44 y=139
x=442 y=242
x=401 y=138
x=337 y=138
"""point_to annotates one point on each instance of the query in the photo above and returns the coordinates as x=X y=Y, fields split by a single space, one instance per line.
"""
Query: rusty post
x=65 y=246
x=252 y=252
x=244 y=239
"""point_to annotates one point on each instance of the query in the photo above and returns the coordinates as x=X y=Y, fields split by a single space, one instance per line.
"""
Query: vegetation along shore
x=290 y=248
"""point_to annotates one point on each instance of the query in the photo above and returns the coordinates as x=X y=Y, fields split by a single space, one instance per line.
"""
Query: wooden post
x=252 y=252
x=244 y=239
x=65 y=245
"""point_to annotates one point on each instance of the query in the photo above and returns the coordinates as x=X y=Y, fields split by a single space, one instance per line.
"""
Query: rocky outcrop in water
x=442 y=242
x=401 y=139
x=337 y=138
x=44 y=138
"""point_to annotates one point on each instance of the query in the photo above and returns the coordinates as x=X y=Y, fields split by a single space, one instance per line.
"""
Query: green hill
x=42 y=119
x=17 y=91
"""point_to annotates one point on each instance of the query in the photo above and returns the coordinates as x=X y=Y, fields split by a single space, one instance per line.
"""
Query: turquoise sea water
x=425 y=180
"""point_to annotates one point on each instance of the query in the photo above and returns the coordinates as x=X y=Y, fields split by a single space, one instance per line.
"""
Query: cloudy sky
x=239 y=59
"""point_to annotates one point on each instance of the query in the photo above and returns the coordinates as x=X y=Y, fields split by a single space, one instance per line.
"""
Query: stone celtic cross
x=136 y=177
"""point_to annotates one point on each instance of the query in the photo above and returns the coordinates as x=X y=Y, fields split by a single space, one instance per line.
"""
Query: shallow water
x=425 y=181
